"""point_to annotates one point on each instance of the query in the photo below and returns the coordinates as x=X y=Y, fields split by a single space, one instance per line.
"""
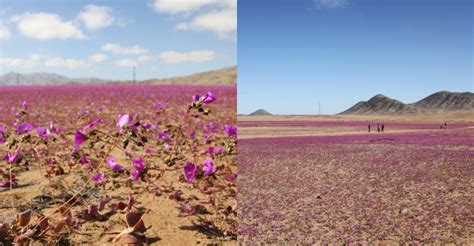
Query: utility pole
x=319 y=107
x=134 y=75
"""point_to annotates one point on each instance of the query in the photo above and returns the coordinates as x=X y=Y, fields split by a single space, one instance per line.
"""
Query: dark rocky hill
x=260 y=112
x=442 y=101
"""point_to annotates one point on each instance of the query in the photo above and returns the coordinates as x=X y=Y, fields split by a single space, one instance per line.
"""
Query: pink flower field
x=128 y=164
x=413 y=187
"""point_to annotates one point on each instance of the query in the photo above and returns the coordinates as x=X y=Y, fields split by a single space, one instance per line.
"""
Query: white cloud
x=144 y=58
x=11 y=62
x=28 y=62
x=126 y=63
x=219 y=16
x=5 y=33
x=95 y=58
x=32 y=60
x=133 y=62
x=223 y=22
x=45 y=26
x=180 y=6
x=192 y=56
x=59 y=62
x=119 y=50
x=182 y=26
x=330 y=4
x=96 y=17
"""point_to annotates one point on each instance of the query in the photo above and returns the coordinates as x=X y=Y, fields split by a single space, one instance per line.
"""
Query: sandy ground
x=164 y=225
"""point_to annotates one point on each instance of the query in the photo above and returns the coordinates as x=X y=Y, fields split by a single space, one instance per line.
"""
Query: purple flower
x=230 y=130
x=208 y=98
x=196 y=97
x=2 y=139
x=211 y=127
x=208 y=150
x=135 y=174
x=25 y=105
x=231 y=177
x=53 y=128
x=98 y=178
x=165 y=136
x=138 y=168
x=139 y=164
x=147 y=125
x=79 y=138
x=190 y=171
x=192 y=134
x=92 y=124
x=24 y=128
x=83 y=160
x=208 y=166
x=114 y=165
x=124 y=121
x=13 y=158
x=2 y=128
x=43 y=132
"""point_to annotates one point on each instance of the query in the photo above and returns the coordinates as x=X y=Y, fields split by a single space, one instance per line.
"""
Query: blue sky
x=106 y=39
x=294 y=53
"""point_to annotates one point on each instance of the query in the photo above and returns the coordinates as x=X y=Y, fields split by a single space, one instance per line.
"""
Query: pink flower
x=83 y=160
x=190 y=171
x=25 y=105
x=92 y=124
x=231 y=177
x=124 y=121
x=24 y=128
x=139 y=164
x=79 y=138
x=13 y=158
x=196 y=98
x=135 y=174
x=138 y=168
x=43 y=132
x=208 y=167
x=208 y=98
x=114 y=165
x=230 y=130
x=98 y=178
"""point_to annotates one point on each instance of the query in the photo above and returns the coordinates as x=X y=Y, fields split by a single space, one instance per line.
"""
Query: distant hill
x=260 y=112
x=446 y=101
x=225 y=76
x=443 y=101
x=221 y=76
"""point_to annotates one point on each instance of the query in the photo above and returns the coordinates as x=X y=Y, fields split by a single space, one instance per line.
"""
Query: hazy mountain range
x=220 y=76
x=443 y=101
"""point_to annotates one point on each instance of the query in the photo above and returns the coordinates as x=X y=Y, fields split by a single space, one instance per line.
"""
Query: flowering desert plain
x=116 y=163
x=326 y=179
